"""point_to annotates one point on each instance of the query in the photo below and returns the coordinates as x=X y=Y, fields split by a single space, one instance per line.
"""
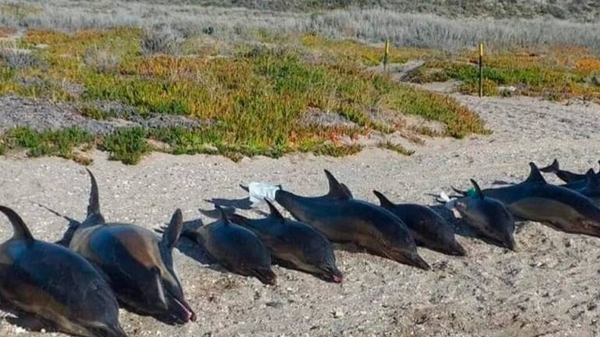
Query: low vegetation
x=251 y=83
x=553 y=73
x=254 y=100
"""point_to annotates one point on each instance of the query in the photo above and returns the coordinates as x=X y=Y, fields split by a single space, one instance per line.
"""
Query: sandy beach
x=548 y=287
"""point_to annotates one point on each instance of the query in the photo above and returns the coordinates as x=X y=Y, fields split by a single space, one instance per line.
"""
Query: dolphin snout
x=333 y=274
x=183 y=311
x=458 y=250
x=419 y=262
x=266 y=276
x=412 y=259
x=510 y=243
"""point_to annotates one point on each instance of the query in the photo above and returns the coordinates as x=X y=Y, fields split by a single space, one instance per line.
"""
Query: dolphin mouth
x=510 y=243
x=184 y=313
x=456 y=250
x=333 y=275
x=411 y=259
x=266 y=276
x=337 y=279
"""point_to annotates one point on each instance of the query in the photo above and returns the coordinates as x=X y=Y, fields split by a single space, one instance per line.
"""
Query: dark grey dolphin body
x=489 y=217
x=566 y=176
x=137 y=263
x=428 y=228
x=344 y=219
x=294 y=243
x=590 y=187
x=561 y=208
x=235 y=247
x=54 y=286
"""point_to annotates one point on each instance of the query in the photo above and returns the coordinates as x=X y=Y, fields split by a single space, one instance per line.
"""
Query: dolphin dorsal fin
x=173 y=231
x=94 y=216
x=347 y=191
x=535 y=176
x=21 y=231
x=223 y=215
x=383 y=200
x=478 y=192
x=274 y=211
x=336 y=189
x=593 y=180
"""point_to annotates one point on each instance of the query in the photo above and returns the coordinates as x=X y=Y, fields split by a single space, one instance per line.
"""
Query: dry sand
x=548 y=288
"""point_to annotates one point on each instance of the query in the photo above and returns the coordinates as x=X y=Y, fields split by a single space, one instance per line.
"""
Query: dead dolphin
x=137 y=263
x=566 y=176
x=427 y=227
x=52 y=285
x=590 y=188
x=236 y=248
x=345 y=219
x=559 y=207
x=294 y=243
x=488 y=216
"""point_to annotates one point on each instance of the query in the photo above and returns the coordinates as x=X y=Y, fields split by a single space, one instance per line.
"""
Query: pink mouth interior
x=337 y=279
x=188 y=314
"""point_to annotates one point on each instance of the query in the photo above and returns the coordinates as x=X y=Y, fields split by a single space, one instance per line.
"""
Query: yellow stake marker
x=386 y=54
x=480 y=69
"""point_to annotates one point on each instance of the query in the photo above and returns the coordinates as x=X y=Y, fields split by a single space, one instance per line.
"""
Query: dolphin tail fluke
x=554 y=167
x=20 y=229
x=461 y=192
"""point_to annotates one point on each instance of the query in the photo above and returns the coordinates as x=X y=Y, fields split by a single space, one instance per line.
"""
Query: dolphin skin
x=294 y=243
x=559 y=207
x=137 y=263
x=590 y=187
x=54 y=286
x=566 y=176
x=235 y=247
x=428 y=228
x=489 y=217
x=341 y=218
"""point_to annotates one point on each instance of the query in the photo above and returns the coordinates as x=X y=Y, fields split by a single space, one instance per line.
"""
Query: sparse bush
x=126 y=145
x=15 y=58
x=103 y=61
x=163 y=40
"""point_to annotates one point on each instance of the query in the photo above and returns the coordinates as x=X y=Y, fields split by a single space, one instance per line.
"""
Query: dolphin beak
x=117 y=331
x=413 y=259
x=266 y=276
x=510 y=243
x=334 y=275
x=189 y=314
x=458 y=250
